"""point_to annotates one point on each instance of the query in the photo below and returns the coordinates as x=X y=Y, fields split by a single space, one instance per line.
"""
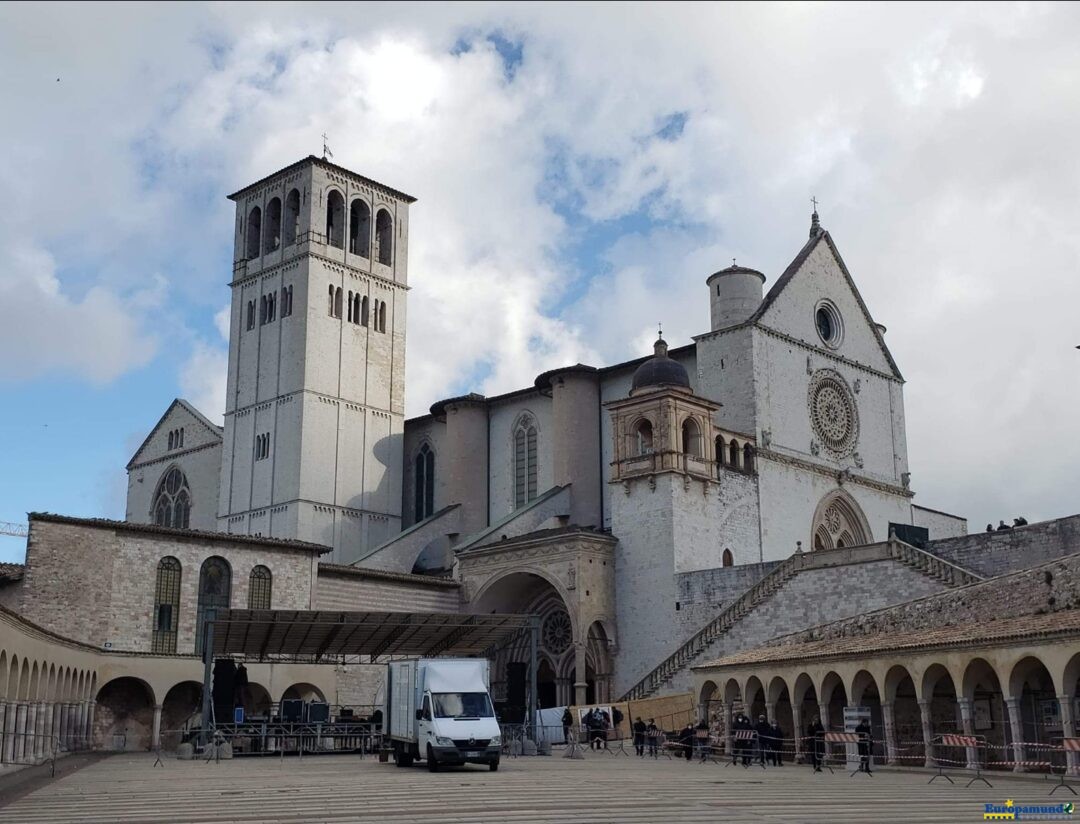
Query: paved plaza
x=128 y=788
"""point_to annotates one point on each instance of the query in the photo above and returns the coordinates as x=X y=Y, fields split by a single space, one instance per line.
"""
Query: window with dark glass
x=215 y=586
x=166 y=606
x=259 y=588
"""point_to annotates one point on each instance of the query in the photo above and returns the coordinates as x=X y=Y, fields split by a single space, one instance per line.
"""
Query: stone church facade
x=779 y=429
x=681 y=508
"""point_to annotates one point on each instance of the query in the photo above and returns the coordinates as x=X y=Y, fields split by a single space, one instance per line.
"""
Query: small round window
x=829 y=326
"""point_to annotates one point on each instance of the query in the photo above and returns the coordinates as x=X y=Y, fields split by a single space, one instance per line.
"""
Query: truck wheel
x=432 y=764
x=493 y=766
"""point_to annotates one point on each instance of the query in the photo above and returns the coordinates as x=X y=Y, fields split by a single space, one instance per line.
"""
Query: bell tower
x=315 y=402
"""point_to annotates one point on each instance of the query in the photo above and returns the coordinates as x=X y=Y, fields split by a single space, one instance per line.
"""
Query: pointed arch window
x=166 y=606
x=524 y=462
x=729 y=559
x=733 y=454
x=360 y=229
x=335 y=220
x=215 y=586
x=384 y=237
x=259 y=588
x=291 y=229
x=424 y=498
x=172 y=500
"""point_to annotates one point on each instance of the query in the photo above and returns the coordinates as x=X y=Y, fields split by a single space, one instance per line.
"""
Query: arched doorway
x=1032 y=687
x=865 y=693
x=180 y=711
x=302 y=692
x=839 y=522
x=124 y=715
x=530 y=593
x=906 y=715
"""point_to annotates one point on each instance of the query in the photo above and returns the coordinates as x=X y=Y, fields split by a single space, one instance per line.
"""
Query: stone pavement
x=127 y=788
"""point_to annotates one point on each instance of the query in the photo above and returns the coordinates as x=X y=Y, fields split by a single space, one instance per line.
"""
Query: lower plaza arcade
x=1013 y=684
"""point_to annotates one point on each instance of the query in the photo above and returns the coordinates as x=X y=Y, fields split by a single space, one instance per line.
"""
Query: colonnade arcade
x=1020 y=700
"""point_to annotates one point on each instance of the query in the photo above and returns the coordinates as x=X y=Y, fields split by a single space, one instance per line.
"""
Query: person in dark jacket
x=866 y=741
x=686 y=739
x=652 y=735
x=764 y=737
x=743 y=748
x=777 y=745
x=815 y=734
x=639 y=737
x=567 y=725
x=701 y=739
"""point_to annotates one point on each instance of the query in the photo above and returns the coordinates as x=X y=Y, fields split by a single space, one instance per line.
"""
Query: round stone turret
x=734 y=295
x=660 y=370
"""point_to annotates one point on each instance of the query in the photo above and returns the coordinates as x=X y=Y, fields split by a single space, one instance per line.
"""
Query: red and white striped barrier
x=1071 y=744
x=743 y=735
x=951 y=740
x=843 y=737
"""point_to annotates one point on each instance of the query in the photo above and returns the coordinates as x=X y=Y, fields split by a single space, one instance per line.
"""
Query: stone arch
x=832 y=700
x=255 y=699
x=335 y=219
x=254 y=233
x=303 y=691
x=35 y=677
x=708 y=690
x=754 y=697
x=1028 y=667
x=733 y=693
x=981 y=686
x=839 y=521
x=13 y=679
x=384 y=237
x=360 y=228
x=124 y=715
x=862 y=682
x=691 y=437
x=779 y=697
x=485 y=593
x=24 y=681
x=291 y=223
x=1070 y=676
x=642 y=436
x=1032 y=683
x=272 y=229
x=179 y=709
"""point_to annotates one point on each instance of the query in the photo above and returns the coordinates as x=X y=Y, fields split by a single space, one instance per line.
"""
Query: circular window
x=557 y=632
x=829 y=326
x=832 y=412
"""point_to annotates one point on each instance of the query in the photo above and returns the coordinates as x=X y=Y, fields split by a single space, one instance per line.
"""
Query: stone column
x=1016 y=729
x=39 y=731
x=90 y=725
x=797 y=721
x=81 y=743
x=9 y=732
x=580 y=685
x=770 y=711
x=891 y=751
x=155 y=736
x=1068 y=729
x=65 y=721
x=21 y=713
x=969 y=729
x=927 y=733
x=725 y=710
x=50 y=724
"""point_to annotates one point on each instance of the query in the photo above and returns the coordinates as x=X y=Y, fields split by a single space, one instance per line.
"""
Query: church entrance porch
x=565 y=577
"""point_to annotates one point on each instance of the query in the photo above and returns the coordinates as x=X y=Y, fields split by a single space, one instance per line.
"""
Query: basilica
x=659 y=515
x=780 y=428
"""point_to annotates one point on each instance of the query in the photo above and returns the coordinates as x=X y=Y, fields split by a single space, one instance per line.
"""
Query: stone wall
x=996 y=553
x=813 y=597
x=352 y=588
x=95 y=581
x=1045 y=588
x=705 y=592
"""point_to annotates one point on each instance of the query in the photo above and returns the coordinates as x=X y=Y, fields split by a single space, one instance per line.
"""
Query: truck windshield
x=462 y=705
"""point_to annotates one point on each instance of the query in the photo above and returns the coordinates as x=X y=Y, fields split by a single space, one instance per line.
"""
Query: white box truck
x=439 y=710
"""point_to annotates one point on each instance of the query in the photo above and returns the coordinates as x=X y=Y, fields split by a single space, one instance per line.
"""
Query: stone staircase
x=926 y=563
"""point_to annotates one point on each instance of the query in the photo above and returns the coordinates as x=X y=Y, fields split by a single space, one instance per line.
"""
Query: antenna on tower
x=326 y=153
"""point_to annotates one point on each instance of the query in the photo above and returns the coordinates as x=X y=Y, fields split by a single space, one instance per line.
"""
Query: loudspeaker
x=292 y=709
x=318 y=712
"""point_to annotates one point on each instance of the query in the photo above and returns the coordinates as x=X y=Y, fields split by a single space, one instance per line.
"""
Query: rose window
x=832 y=412
x=556 y=632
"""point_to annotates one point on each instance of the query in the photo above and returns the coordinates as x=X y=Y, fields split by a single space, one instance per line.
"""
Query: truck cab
x=440 y=711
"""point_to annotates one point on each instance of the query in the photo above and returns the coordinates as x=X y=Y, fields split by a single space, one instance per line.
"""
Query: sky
x=580 y=170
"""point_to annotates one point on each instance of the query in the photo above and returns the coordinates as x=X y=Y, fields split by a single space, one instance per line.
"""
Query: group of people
x=596 y=723
x=770 y=740
x=646 y=734
x=1021 y=521
x=816 y=734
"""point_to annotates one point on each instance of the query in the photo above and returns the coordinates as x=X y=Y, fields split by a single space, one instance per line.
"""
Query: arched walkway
x=124 y=715
x=304 y=692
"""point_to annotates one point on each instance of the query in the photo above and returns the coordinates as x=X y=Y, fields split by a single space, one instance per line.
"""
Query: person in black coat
x=567 y=724
x=764 y=737
x=745 y=747
x=652 y=735
x=816 y=735
x=686 y=738
x=639 y=737
x=866 y=741
x=777 y=742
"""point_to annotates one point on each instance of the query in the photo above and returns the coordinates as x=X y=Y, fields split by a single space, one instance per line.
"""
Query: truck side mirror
x=419 y=715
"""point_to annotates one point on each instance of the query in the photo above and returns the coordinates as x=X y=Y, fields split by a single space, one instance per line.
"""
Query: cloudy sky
x=580 y=170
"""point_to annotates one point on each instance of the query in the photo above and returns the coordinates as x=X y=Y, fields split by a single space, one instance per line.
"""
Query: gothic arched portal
x=839 y=522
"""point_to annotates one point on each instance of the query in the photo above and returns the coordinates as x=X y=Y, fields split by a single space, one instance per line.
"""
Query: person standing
x=764 y=737
x=639 y=737
x=605 y=725
x=777 y=745
x=686 y=738
x=652 y=735
x=701 y=739
x=567 y=724
x=816 y=733
x=866 y=741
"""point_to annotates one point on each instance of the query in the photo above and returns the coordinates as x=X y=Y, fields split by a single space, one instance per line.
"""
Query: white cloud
x=939 y=139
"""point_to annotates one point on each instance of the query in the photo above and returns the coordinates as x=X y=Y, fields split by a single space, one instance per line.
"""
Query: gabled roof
x=796 y=264
x=214 y=429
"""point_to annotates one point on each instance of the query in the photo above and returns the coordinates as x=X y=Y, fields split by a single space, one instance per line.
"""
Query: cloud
x=579 y=175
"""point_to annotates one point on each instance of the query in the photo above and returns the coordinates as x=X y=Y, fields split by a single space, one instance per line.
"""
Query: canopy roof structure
x=320 y=636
